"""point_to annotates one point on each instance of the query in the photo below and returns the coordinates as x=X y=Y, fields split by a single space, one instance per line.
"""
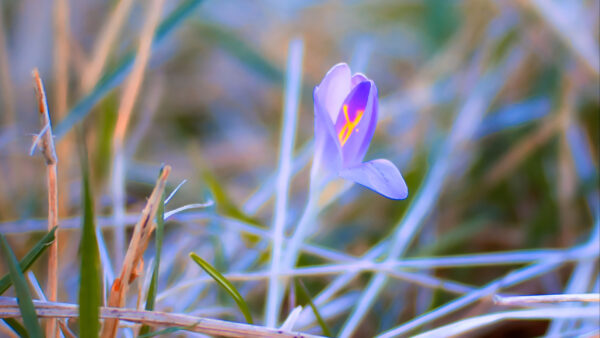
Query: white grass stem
x=35 y=285
x=290 y=322
x=545 y=299
x=168 y=199
x=468 y=260
x=584 y=270
x=117 y=191
x=266 y=189
x=107 y=267
x=514 y=277
x=462 y=327
x=360 y=266
x=288 y=136
x=174 y=212
x=302 y=230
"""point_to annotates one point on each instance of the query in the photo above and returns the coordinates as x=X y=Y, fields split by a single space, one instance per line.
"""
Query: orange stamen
x=348 y=128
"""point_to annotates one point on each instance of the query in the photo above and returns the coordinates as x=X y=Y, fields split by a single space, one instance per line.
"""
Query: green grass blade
x=225 y=284
x=16 y=326
x=101 y=156
x=29 y=258
x=91 y=282
x=159 y=235
x=30 y=318
x=304 y=295
x=160 y=229
x=224 y=203
x=116 y=75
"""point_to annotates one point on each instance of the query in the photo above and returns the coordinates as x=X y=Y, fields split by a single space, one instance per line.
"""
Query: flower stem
x=303 y=229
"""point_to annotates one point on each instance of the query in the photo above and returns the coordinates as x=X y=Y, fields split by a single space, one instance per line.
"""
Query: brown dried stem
x=5 y=78
x=128 y=99
x=110 y=33
x=61 y=54
x=133 y=259
x=61 y=85
x=213 y=327
x=46 y=144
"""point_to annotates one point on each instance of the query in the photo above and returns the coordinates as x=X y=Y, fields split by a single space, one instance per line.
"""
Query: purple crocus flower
x=345 y=120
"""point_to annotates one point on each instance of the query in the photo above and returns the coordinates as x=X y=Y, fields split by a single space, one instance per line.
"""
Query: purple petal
x=356 y=122
x=381 y=176
x=334 y=88
x=357 y=78
x=327 y=157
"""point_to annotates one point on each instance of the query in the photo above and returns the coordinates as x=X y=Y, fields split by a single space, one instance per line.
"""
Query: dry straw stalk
x=133 y=259
x=46 y=145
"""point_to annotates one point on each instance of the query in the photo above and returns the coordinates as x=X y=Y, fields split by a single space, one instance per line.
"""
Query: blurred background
x=490 y=109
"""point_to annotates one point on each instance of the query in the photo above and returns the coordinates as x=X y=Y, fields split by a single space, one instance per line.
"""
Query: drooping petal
x=381 y=176
x=334 y=88
x=327 y=158
x=356 y=122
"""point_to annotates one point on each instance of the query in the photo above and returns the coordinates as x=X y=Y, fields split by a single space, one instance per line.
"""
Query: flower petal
x=381 y=176
x=357 y=78
x=334 y=88
x=356 y=122
x=327 y=158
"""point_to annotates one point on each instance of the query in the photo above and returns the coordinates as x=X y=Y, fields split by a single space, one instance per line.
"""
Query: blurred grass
x=223 y=73
x=116 y=75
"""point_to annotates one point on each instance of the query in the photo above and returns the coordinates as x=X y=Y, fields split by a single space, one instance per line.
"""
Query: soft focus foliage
x=489 y=109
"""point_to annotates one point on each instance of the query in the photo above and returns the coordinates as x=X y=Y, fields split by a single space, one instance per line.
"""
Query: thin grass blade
x=26 y=307
x=224 y=283
x=16 y=326
x=91 y=277
x=304 y=296
x=29 y=258
x=291 y=103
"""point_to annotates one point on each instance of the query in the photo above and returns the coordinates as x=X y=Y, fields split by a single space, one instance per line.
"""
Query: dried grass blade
x=49 y=152
x=207 y=326
x=139 y=241
x=128 y=99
